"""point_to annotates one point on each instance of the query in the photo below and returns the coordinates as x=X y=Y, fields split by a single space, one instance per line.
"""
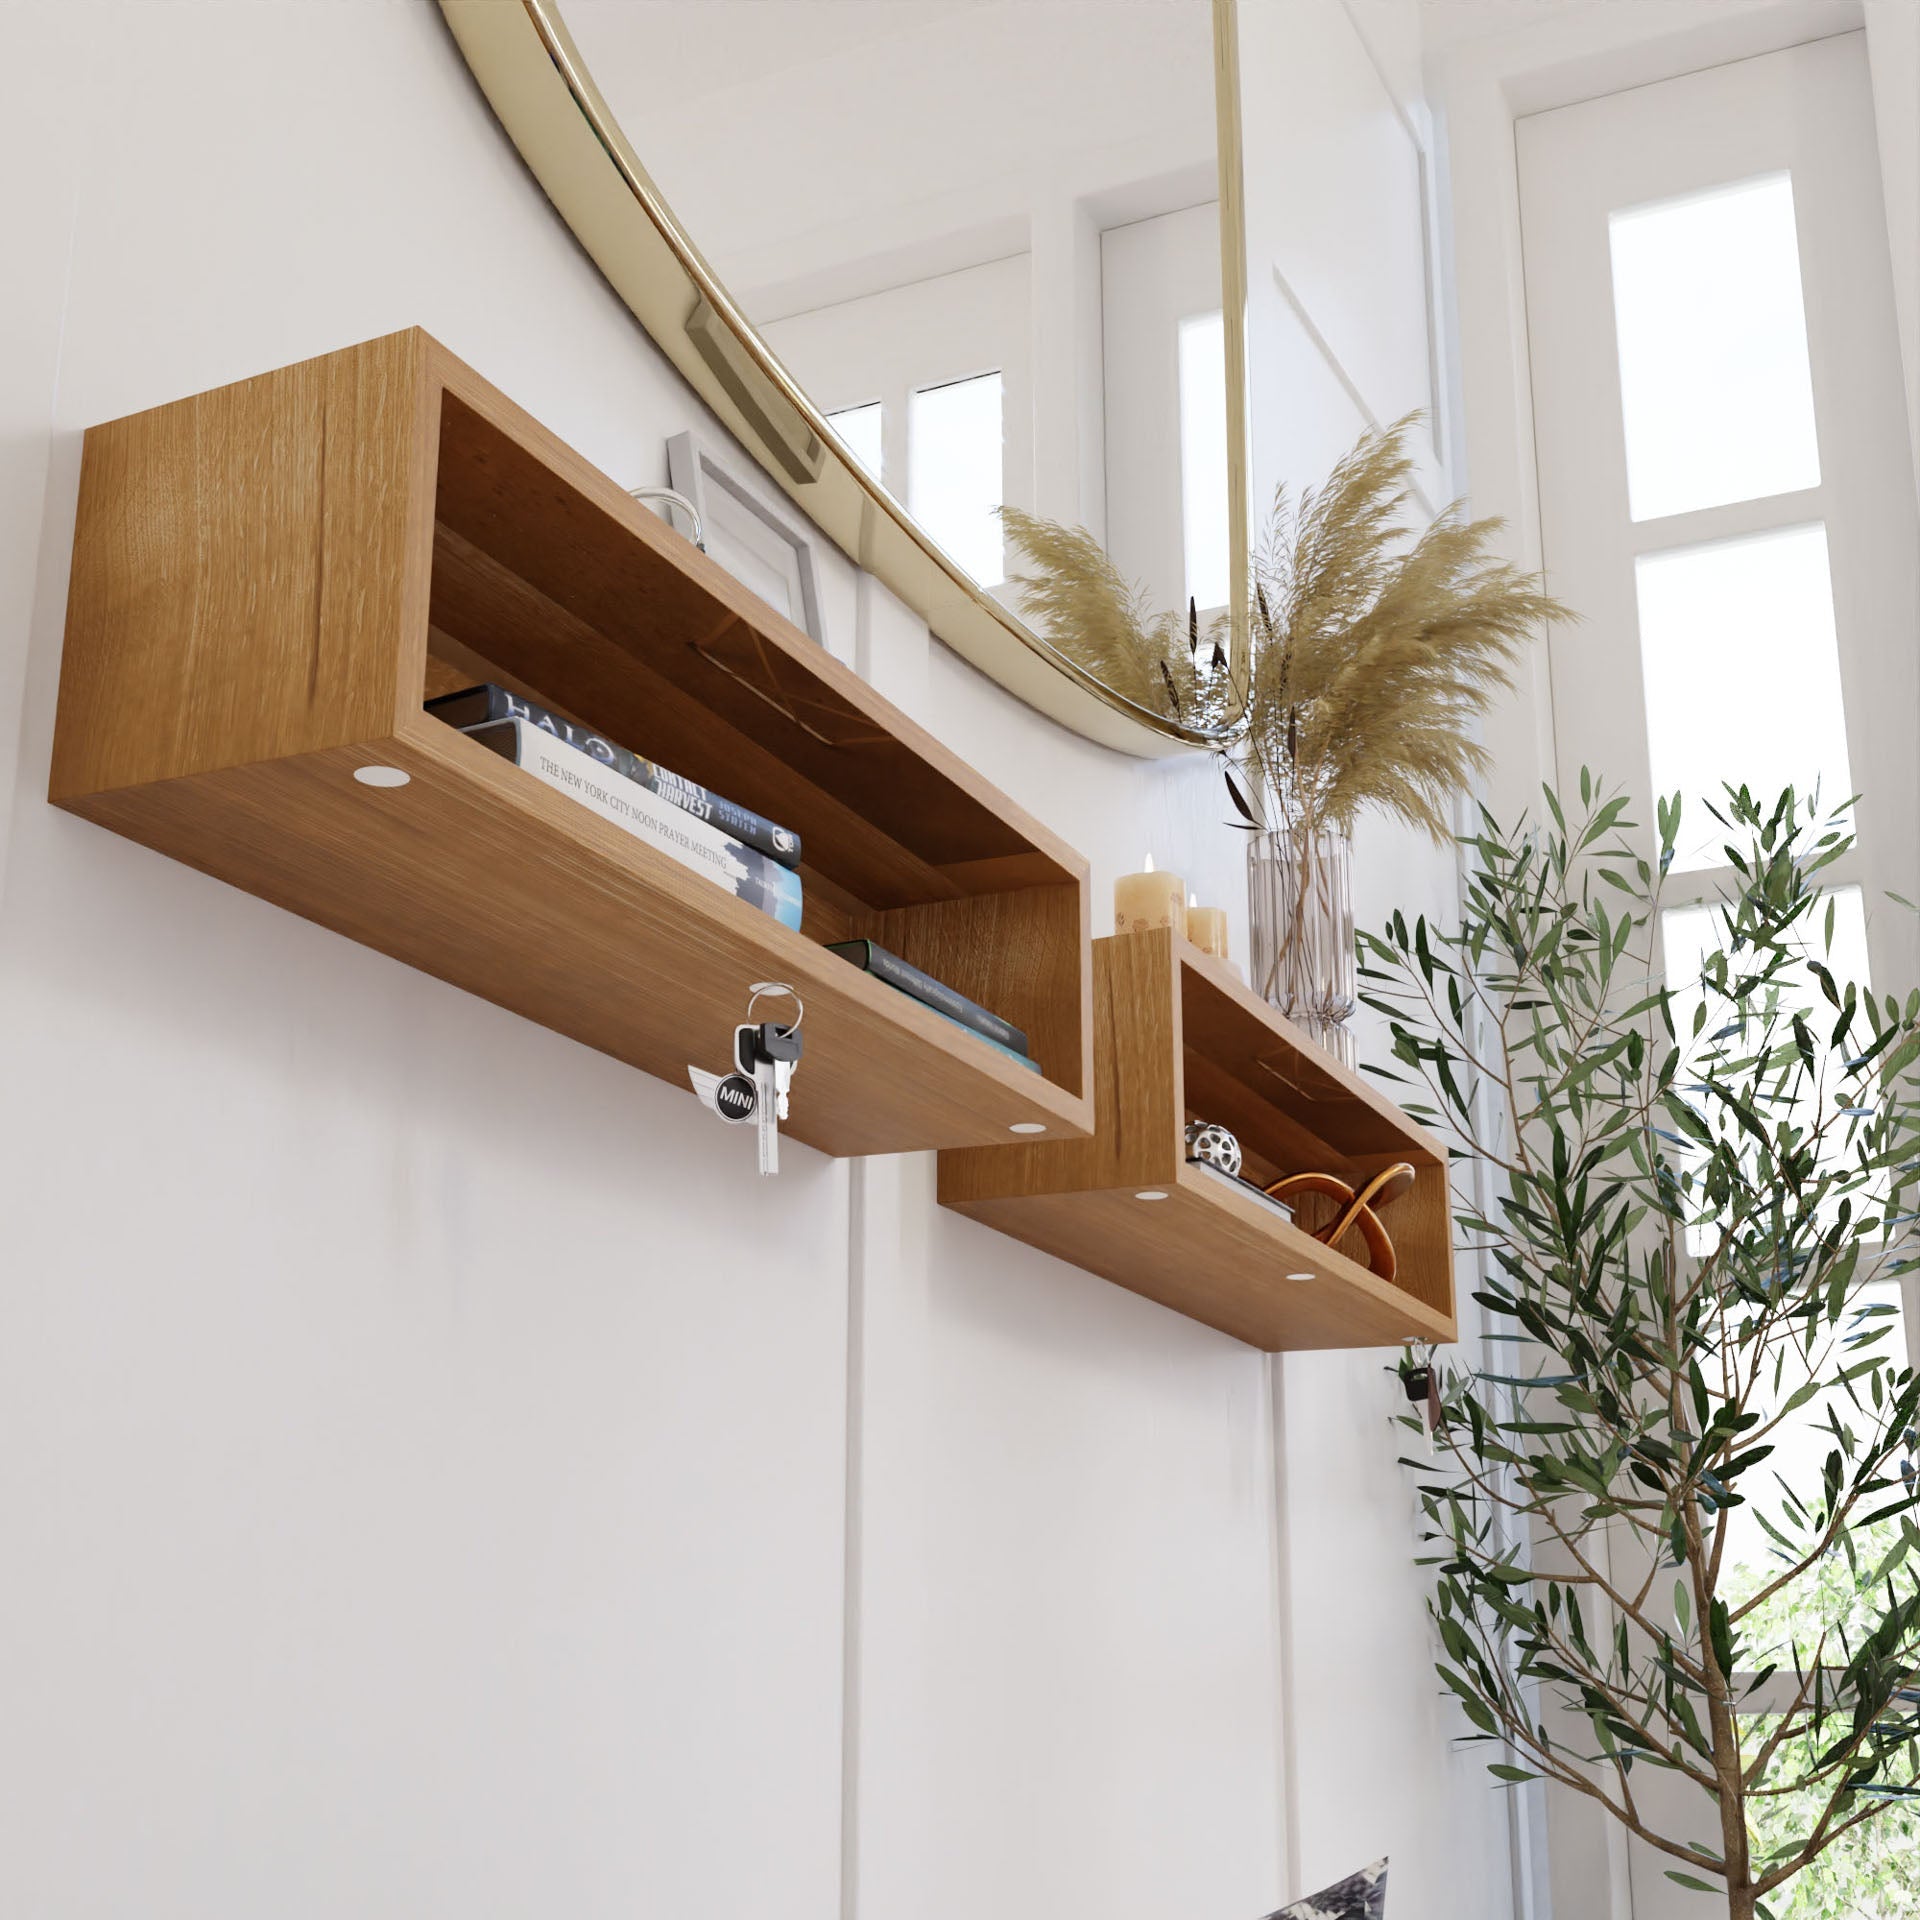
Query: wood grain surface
x=250 y=572
x=489 y=879
x=1220 y=1260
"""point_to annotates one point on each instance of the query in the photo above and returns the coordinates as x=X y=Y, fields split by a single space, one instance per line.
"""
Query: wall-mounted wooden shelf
x=1179 y=1038
x=269 y=579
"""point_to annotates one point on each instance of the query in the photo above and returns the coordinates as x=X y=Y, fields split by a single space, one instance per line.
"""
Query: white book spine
x=695 y=843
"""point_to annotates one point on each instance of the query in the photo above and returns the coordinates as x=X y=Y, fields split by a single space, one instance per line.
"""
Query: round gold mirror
x=954 y=257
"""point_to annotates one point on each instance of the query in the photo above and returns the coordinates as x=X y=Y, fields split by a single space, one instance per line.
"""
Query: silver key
x=771 y=1078
x=769 y=1052
x=766 y=1113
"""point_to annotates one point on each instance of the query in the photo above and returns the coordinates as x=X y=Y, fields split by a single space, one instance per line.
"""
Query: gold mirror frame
x=540 y=89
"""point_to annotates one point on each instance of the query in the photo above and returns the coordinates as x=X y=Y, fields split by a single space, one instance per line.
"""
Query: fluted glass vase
x=1300 y=902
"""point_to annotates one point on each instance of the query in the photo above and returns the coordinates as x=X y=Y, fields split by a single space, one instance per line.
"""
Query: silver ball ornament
x=1209 y=1141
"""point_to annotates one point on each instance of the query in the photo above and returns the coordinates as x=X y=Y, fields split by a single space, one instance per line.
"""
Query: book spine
x=743 y=871
x=741 y=823
x=934 y=993
x=985 y=1039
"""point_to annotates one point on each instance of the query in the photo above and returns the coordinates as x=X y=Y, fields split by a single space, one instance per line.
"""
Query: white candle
x=1207 y=927
x=1145 y=900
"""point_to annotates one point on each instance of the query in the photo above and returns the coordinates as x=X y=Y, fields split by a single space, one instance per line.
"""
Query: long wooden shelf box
x=268 y=581
x=1179 y=1038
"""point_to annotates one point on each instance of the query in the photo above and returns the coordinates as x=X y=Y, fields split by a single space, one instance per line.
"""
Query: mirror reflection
x=983 y=235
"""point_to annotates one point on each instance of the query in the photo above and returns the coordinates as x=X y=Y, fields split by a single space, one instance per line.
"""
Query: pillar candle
x=1143 y=900
x=1207 y=928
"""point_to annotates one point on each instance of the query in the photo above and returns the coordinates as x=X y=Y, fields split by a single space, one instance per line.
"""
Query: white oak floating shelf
x=1177 y=1037
x=270 y=578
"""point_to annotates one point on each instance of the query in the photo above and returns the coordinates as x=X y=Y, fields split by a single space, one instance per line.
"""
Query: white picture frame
x=761 y=545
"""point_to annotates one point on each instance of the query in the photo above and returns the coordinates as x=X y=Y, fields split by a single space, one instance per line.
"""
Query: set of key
x=765 y=1055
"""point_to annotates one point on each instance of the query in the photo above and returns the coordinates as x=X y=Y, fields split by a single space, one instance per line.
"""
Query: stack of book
x=736 y=848
x=750 y=856
x=946 y=1001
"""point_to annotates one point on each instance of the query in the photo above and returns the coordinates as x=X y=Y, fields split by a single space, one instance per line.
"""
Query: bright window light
x=1742 y=677
x=1714 y=378
x=1689 y=934
x=1801 y=1445
x=1203 y=456
x=860 y=428
x=954 y=466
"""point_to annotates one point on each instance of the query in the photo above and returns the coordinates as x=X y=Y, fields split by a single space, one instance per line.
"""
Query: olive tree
x=1695 y=1185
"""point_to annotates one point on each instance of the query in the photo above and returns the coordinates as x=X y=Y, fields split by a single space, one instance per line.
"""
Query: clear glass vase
x=1300 y=905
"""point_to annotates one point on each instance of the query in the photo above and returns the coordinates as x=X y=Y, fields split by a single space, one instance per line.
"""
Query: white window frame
x=1715 y=127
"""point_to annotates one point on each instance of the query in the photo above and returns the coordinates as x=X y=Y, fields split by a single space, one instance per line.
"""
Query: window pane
x=1742 y=676
x=860 y=428
x=954 y=471
x=1203 y=456
x=1714 y=380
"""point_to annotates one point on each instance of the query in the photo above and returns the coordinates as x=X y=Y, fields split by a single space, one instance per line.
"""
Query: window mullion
x=1738 y=519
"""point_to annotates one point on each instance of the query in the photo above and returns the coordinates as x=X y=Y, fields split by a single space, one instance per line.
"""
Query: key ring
x=761 y=988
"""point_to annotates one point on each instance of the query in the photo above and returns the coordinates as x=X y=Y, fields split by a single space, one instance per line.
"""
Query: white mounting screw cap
x=382 y=776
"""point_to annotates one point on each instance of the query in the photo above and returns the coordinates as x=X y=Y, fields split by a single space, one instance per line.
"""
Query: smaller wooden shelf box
x=269 y=579
x=1178 y=1038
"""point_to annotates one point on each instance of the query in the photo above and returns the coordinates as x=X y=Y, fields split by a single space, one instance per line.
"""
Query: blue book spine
x=986 y=1040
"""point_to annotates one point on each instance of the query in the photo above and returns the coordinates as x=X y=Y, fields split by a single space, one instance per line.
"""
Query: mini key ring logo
x=735 y=1097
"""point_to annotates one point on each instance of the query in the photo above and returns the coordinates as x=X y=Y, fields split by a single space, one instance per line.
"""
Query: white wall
x=417 y=1507
x=397 y=1463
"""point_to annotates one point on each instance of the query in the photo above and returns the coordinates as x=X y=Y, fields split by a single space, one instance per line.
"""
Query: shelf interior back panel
x=535 y=576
